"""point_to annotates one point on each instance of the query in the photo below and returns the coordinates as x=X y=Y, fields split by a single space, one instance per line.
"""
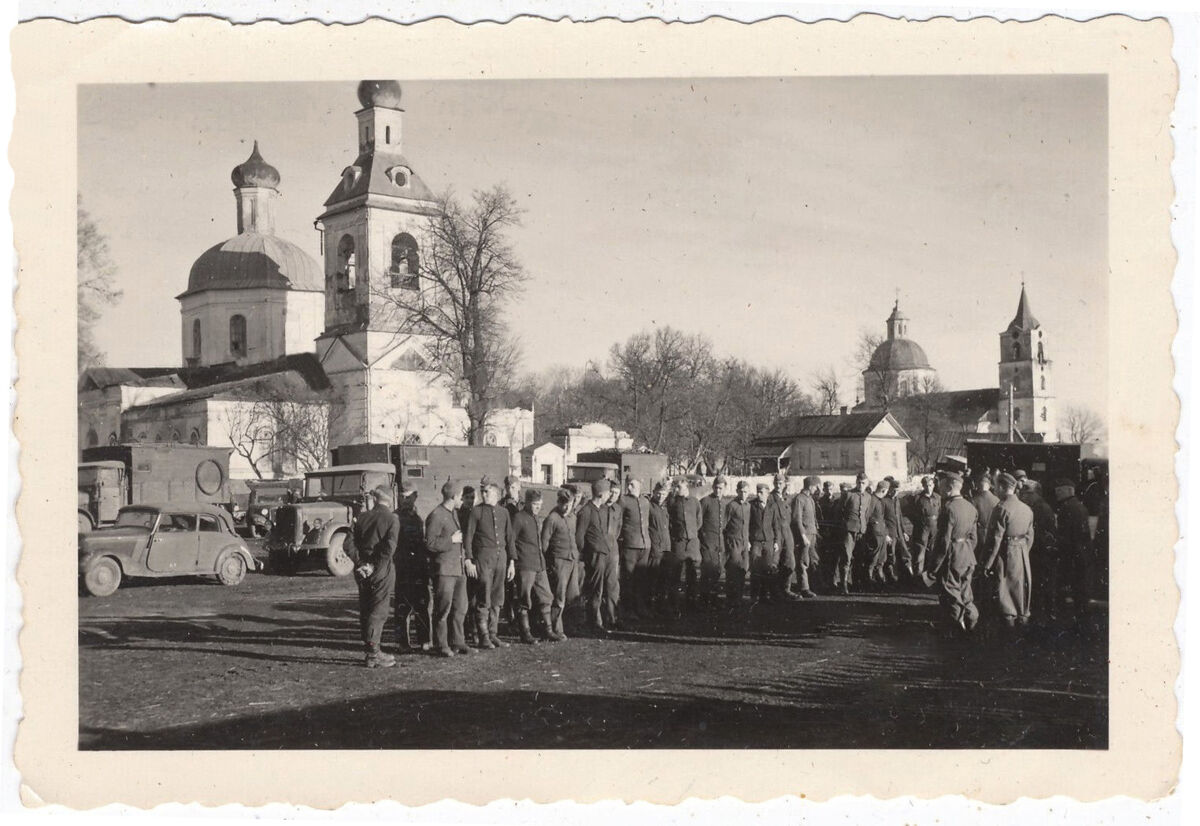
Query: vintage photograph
x=655 y=413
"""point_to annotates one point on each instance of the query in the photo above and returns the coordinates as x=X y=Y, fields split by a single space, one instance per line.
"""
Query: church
x=274 y=340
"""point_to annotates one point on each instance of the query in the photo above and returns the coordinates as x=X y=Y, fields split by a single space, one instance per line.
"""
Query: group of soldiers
x=601 y=557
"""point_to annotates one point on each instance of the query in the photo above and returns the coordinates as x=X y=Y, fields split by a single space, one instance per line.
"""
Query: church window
x=196 y=338
x=845 y=457
x=1016 y=350
x=112 y=438
x=405 y=270
x=1043 y=414
x=93 y=438
x=174 y=436
x=194 y=439
x=1041 y=354
x=346 y=263
x=1043 y=382
x=237 y=335
x=387 y=134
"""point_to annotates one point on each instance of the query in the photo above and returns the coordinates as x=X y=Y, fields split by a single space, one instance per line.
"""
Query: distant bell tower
x=1025 y=368
x=374 y=230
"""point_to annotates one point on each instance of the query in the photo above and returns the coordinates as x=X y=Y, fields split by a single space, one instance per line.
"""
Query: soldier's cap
x=1007 y=480
x=780 y=477
x=532 y=495
x=891 y=480
x=1064 y=483
x=950 y=474
x=1020 y=474
x=509 y=481
x=600 y=486
x=660 y=486
x=486 y=481
x=861 y=477
x=844 y=486
x=763 y=487
x=829 y=483
x=882 y=486
x=408 y=489
x=810 y=481
x=382 y=494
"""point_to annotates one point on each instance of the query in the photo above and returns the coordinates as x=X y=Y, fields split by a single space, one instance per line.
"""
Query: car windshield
x=344 y=484
x=135 y=518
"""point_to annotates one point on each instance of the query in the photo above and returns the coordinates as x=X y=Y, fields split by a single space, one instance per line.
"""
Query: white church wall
x=304 y=319
x=264 y=311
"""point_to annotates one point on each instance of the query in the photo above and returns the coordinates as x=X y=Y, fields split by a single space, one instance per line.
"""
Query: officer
x=374 y=536
x=1044 y=560
x=684 y=512
x=558 y=538
x=780 y=505
x=1074 y=544
x=928 y=505
x=490 y=545
x=857 y=508
x=450 y=569
x=712 y=543
x=414 y=598
x=532 y=583
x=660 y=546
x=804 y=526
x=899 y=556
x=634 y=544
x=736 y=534
x=1010 y=536
x=599 y=554
x=878 y=544
x=985 y=502
x=951 y=559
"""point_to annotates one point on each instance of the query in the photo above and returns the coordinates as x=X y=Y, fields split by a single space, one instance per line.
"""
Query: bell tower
x=1025 y=367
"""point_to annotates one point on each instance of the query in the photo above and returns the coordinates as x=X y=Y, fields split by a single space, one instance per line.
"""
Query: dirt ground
x=276 y=663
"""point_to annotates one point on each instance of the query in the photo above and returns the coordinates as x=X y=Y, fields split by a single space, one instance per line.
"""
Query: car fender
x=88 y=560
x=252 y=564
x=324 y=535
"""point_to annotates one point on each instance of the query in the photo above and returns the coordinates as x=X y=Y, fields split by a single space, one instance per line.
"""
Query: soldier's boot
x=552 y=633
x=523 y=627
x=493 y=629
x=481 y=631
x=378 y=659
x=556 y=625
x=404 y=633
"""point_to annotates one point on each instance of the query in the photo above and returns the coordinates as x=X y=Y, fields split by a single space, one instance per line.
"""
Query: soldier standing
x=804 y=525
x=374 y=536
x=684 y=512
x=899 y=558
x=634 y=543
x=599 y=554
x=764 y=547
x=558 y=538
x=1074 y=544
x=532 y=583
x=489 y=543
x=857 y=506
x=928 y=505
x=712 y=543
x=781 y=522
x=951 y=561
x=450 y=569
x=1010 y=536
x=660 y=546
x=414 y=599
x=878 y=543
x=1044 y=560
x=736 y=534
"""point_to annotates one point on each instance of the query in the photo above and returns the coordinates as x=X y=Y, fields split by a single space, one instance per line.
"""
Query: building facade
x=898 y=367
x=871 y=441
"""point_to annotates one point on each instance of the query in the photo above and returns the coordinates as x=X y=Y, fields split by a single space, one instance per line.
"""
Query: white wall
x=277 y=322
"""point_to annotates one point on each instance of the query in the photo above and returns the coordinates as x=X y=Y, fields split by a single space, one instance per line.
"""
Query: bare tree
x=827 y=390
x=1082 y=424
x=875 y=373
x=97 y=285
x=283 y=435
x=467 y=270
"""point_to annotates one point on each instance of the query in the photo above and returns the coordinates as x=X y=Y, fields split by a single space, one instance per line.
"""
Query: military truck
x=647 y=468
x=1043 y=461
x=113 y=476
x=315 y=527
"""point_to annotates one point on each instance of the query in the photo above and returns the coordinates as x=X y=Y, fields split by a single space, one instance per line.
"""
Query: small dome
x=899 y=354
x=254 y=260
x=255 y=172
x=385 y=93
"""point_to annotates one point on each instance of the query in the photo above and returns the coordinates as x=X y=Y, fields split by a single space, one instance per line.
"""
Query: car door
x=212 y=539
x=174 y=544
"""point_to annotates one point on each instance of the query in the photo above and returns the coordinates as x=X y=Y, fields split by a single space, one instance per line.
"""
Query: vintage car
x=264 y=499
x=315 y=528
x=163 y=540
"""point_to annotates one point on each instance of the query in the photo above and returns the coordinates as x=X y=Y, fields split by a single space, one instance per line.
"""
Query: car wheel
x=103 y=577
x=85 y=524
x=232 y=569
x=337 y=561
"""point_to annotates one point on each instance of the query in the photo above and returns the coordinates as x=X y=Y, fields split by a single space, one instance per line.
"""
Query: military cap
x=600 y=486
x=532 y=495
x=485 y=482
x=1064 y=483
x=509 y=481
x=781 y=476
x=1007 y=480
x=407 y=488
x=660 y=486
x=882 y=486
x=810 y=481
x=829 y=483
x=382 y=494
x=951 y=474
x=861 y=477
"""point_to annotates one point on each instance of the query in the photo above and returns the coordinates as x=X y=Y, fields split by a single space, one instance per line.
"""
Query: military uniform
x=1075 y=550
x=764 y=549
x=533 y=584
x=951 y=562
x=899 y=557
x=928 y=506
x=414 y=599
x=449 y=574
x=712 y=545
x=684 y=514
x=857 y=510
x=877 y=541
x=374 y=536
x=1010 y=536
x=593 y=537
x=634 y=543
x=736 y=534
x=1044 y=560
x=805 y=528
x=489 y=542
x=660 y=546
x=558 y=538
x=781 y=521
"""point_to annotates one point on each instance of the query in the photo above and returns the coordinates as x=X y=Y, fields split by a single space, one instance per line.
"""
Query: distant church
x=899 y=376
x=262 y=320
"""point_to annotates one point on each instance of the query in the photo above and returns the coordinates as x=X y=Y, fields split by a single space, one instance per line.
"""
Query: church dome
x=254 y=260
x=899 y=354
x=385 y=93
x=254 y=171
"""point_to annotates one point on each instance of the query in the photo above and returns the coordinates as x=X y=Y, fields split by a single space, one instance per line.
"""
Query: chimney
x=845 y=410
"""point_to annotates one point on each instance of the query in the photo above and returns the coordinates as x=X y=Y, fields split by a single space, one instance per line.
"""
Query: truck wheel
x=85 y=524
x=103 y=578
x=337 y=561
x=232 y=569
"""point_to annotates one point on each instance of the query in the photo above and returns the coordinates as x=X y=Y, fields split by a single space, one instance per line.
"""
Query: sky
x=779 y=216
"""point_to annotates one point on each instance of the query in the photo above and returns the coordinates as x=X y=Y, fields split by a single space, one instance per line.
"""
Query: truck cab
x=103 y=490
x=317 y=526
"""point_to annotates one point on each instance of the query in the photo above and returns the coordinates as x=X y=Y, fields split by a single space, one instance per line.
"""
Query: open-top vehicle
x=163 y=540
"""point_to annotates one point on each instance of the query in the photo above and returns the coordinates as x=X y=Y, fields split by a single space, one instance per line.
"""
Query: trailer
x=1042 y=461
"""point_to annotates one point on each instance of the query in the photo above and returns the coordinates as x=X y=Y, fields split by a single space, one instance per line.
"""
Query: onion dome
x=254 y=260
x=385 y=93
x=255 y=172
x=899 y=354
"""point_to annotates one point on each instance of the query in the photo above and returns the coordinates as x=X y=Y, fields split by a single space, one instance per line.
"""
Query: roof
x=1024 y=319
x=254 y=171
x=196 y=507
x=379 y=172
x=849 y=426
x=98 y=378
x=961 y=406
x=106 y=463
x=898 y=354
x=298 y=377
x=384 y=93
x=377 y=467
x=253 y=260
